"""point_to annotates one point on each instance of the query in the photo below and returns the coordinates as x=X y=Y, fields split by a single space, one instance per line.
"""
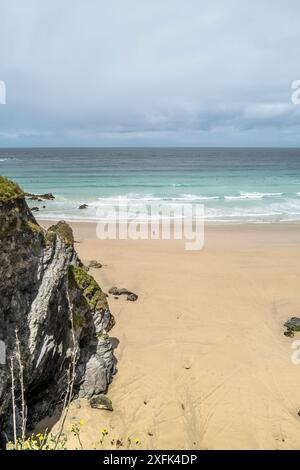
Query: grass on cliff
x=63 y=230
x=9 y=191
x=90 y=289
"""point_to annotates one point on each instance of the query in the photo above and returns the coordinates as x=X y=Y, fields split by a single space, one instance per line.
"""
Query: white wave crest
x=253 y=196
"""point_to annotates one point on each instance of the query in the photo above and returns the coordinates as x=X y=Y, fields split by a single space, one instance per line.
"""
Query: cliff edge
x=44 y=290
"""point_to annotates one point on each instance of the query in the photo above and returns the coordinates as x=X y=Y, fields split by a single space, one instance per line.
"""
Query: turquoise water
x=235 y=185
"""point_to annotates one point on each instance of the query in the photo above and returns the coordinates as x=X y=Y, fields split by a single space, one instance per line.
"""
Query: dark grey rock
x=101 y=402
x=289 y=333
x=83 y=206
x=117 y=292
x=95 y=264
x=132 y=297
x=40 y=197
x=292 y=326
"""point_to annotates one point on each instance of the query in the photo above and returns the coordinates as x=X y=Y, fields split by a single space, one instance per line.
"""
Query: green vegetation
x=64 y=231
x=9 y=191
x=78 y=321
x=34 y=227
x=40 y=441
x=16 y=217
x=104 y=336
x=91 y=291
x=50 y=238
x=48 y=441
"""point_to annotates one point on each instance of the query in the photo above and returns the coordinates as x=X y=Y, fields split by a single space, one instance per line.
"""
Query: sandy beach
x=202 y=359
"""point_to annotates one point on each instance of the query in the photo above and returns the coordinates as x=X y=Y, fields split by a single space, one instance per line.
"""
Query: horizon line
x=153 y=147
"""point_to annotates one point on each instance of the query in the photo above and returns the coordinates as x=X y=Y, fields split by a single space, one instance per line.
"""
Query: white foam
x=260 y=195
x=252 y=196
x=7 y=158
x=261 y=207
x=194 y=197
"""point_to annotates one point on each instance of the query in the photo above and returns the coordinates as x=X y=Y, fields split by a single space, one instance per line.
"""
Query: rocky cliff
x=44 y=289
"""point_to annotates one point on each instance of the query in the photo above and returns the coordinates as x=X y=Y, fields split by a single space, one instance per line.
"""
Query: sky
x=149 y=73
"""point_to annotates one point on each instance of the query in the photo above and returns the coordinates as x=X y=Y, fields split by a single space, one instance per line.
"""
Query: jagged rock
x=43 y=291
x=117 y=292
x=101 y=402
x=40 y=197
x=83 y=206
x=95 y=264
x=34 y=209
x=292 y=326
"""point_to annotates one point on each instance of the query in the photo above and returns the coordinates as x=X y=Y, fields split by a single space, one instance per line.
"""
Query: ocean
x=235 y=185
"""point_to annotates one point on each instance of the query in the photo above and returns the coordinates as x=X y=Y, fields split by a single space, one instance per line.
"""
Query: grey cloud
x=131 y=72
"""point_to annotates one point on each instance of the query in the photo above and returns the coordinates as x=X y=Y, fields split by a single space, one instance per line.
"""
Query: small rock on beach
x=292 y=326
x=117 y=292
x=95 y=264
x=101 y=402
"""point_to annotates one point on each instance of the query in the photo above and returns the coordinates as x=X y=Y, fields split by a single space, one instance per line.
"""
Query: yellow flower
x=81 y=422
x=104 y=431
x=136 y=440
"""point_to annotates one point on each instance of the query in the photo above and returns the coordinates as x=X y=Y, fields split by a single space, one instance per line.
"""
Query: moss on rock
x=50 y=238
x=90 y=289
x=34 y=227
x=9 y=191
x=78 y=321
x=63 y=230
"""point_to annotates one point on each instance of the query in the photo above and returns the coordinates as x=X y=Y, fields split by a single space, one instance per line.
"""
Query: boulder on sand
x=117 y=292
x=292 y=326
x=101 y=402
x=95 y=264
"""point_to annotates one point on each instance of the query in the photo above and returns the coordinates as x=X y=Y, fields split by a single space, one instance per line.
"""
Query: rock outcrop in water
x=42 y=284
x=40 y=197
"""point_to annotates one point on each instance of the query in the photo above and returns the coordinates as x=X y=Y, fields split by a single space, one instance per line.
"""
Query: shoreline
x=207 y=222
x=207 y=225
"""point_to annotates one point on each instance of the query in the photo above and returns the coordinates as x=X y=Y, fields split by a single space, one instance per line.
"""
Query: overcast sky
x=149 y=72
